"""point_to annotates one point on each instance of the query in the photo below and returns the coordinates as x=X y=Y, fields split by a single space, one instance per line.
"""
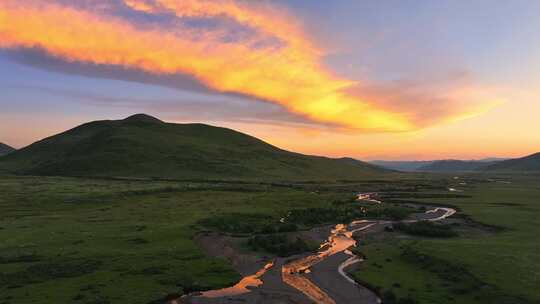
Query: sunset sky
x=365 y=79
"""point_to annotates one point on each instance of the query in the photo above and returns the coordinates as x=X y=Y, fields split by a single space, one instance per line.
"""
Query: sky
x=396 y=80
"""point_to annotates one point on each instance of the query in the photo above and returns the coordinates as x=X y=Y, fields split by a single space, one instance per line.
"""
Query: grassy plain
x=66 y=240
x=75 y=240
x=499 y=265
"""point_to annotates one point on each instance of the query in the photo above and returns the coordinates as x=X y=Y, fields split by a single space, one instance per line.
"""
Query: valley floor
x=68 y=240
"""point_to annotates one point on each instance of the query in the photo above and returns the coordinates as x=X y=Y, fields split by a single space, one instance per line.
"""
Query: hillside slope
x=143 y=146
x=5 y=149
x=406 y=166
x=527 y=163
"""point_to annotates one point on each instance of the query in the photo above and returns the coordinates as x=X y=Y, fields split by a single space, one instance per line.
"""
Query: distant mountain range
x=5 y=149
x=456 y=165
x=528 y=163
x=142 y=146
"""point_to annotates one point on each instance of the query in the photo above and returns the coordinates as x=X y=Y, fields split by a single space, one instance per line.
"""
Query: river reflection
x=340 y=240
x=240 y=287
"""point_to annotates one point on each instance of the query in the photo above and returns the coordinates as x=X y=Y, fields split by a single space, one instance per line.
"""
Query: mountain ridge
x=143 y=146
x=453 y=165
x=435 y=165
x=528 y=163
x=5 y=149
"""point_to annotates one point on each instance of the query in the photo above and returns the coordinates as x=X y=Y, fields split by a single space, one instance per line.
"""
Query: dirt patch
x=229 y=248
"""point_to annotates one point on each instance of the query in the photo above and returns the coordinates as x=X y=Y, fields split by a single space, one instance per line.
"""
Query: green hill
x=142 y=146
x=5 y=149
x=528 y=163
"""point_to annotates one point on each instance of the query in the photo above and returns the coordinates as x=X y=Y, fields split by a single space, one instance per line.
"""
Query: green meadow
x=499 y=263
x=79 y=240
x=67 y=240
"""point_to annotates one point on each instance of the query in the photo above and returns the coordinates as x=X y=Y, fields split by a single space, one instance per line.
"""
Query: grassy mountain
x=455 y=165
x=143 y=146
x=527 y=163
x=5 y=149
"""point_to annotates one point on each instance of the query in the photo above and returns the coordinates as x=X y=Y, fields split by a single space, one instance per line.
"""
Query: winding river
x=296 y=273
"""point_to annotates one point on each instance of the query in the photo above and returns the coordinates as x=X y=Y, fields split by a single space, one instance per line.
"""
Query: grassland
x=66 y=240
x=500 y=264
x=76 y=240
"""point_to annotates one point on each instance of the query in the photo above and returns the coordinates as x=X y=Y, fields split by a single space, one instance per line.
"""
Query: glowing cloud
x=433 y=101
x=272 y=61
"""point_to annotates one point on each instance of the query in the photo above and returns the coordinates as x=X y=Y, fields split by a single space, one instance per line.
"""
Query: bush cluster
x=279 y=244
x=426 y=228
x=238 y=222
x=388 y=297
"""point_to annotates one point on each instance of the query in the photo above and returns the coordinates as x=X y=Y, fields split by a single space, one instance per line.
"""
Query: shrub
x=426 y=228
x=287 y=227
x=238 y=222
x=388 y=297
x=279 y=244
x=49 y=271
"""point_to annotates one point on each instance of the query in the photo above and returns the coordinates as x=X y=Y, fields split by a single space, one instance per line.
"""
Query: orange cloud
x=287 y=72
x=267 y=19
x=433 y=101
